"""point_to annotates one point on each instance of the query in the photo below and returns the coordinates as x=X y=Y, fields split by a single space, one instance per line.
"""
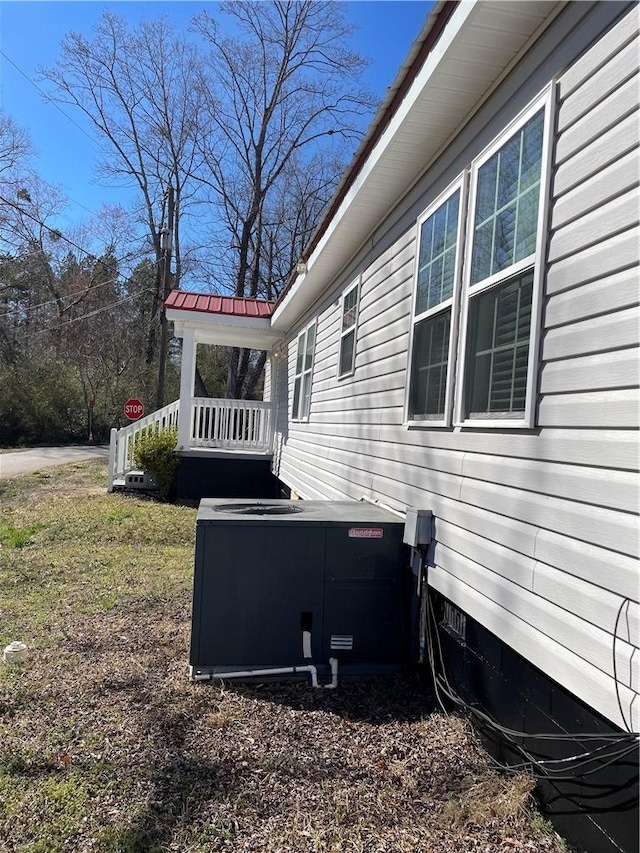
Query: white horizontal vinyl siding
x=536 y=531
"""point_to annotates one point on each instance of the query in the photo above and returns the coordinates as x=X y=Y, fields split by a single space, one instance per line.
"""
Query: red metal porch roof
x=203 y=303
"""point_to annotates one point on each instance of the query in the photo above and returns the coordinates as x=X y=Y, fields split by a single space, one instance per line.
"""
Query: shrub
x=154 y=453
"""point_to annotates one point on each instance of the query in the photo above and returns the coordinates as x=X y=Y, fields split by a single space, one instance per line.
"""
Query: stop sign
x=133 y=409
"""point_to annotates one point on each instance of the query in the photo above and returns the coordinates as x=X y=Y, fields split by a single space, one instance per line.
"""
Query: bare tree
x=137 y=88
x=282 y=97
x=15 y=144
x=30 y=247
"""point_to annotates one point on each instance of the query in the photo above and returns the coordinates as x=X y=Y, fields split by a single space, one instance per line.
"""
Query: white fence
x=220 y=424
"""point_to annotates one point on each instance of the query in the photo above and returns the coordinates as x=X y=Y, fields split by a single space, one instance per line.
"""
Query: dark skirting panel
x=225 y=477
x=598 y=811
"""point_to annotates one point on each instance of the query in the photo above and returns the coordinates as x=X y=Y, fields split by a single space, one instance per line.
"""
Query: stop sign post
x=133 y=409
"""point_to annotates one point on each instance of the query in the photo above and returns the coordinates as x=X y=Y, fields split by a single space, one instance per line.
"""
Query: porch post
x=187 y=379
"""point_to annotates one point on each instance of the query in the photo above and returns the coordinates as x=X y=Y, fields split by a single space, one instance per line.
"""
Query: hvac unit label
x=366 y=533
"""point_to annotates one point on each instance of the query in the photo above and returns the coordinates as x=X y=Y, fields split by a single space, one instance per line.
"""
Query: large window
x=347 y=354
x=503 y=274
x=432 y=346
x=304 y=370
x=499 y=282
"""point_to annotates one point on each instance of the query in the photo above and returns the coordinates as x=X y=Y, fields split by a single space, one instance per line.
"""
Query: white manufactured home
x=462 y=337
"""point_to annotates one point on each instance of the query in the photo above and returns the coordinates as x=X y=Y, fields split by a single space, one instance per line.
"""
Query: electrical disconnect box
x=417 y=527
x=288 y=583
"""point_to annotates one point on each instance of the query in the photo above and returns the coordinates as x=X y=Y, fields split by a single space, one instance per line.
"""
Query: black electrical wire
x=93 y=313
x=613 y=736
x=61 y=236
x=538 y=767
x=28 y=308
x=603 y=755
x=624 y=604
x=47 y=98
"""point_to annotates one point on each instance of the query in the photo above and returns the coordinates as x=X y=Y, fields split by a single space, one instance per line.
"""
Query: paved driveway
x=17 y=462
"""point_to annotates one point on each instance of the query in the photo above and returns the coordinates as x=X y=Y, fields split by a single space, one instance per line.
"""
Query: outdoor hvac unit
x=282 y=583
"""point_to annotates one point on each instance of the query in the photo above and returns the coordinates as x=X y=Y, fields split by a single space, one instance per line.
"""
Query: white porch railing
x=244 y=425
x=231 y=424
x=122 y=441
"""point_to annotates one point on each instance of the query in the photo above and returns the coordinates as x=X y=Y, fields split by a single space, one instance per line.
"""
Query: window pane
x=347 y=352
x=427 y=397
x=486 y=201
x=295 y=411
x=482 y=252
x=439 y=231
x=308 y=353
x=508 y=191
x=505 y=236
x=350 y=307
x=448 y=273
x=508 y=171
x=306 y=395
x=438 y=238
x=435 y=282
x=527 y=225
x=300 y=354
x=531 y=152
x=498 y=348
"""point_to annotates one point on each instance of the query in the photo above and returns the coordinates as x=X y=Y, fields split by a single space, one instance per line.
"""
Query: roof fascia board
x=225 y=330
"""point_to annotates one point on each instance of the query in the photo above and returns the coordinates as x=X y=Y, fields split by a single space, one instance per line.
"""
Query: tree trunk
x=254 y=375
x=232 y=376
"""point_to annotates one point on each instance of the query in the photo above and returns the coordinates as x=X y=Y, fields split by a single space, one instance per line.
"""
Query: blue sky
x=30 y=35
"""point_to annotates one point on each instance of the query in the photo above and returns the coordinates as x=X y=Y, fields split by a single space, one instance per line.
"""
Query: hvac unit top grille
x=258 y=509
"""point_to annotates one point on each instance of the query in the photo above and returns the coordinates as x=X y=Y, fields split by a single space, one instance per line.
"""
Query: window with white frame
x=504 y=272
x=432 y=344
x=502 y=227
x=304 y=369
x=347 y=354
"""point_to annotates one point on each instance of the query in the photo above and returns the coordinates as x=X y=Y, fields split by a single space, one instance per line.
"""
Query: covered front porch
x=207 y=428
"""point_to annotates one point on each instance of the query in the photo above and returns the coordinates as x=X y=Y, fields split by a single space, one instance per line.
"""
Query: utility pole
x=166 y=239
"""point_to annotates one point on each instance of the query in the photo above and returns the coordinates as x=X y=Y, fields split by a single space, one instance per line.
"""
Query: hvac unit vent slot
x=339 y=641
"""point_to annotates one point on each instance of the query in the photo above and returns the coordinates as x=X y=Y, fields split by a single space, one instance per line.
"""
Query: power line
x=80 y=249
x=27 y=308
x=59 y=234
x=51 y=230
x=47 y=98
x=93 y=313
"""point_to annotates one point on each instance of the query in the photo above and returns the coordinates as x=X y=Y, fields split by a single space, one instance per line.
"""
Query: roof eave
x=395 y=160
x=225 y=330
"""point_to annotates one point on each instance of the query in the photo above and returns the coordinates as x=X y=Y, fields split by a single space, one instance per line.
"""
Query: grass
x=17 y=537
x=107 y=747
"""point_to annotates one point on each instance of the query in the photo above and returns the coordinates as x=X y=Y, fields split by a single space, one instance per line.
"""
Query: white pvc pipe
x=283 y=670
x=254 y=673
x=334 y=675
x=375 y=502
